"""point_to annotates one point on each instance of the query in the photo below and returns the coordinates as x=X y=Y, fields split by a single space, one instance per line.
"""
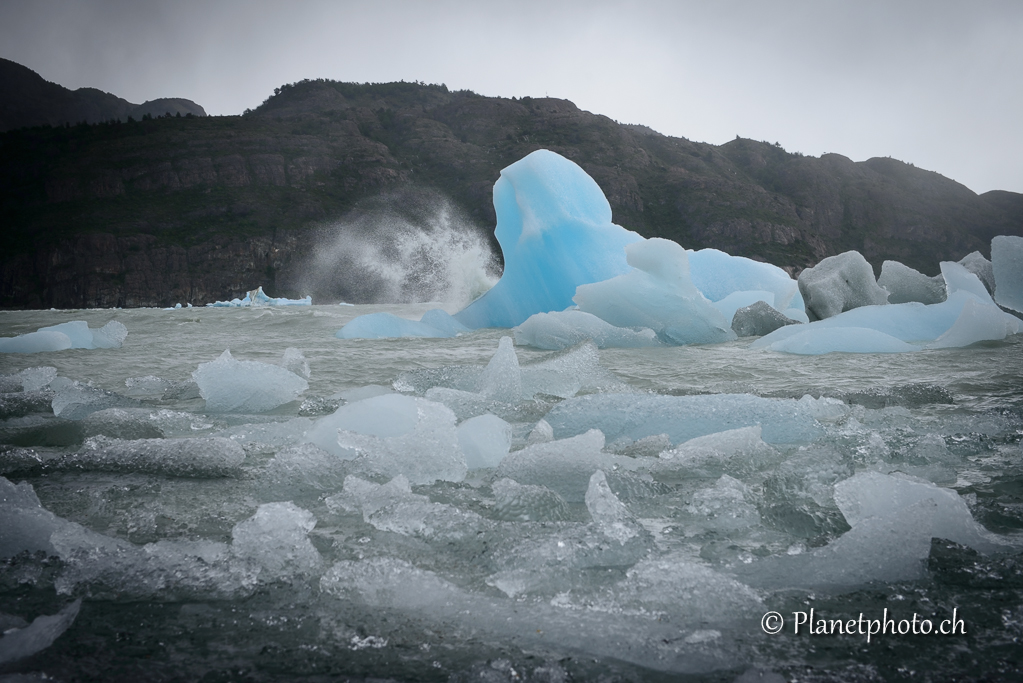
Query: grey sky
x=935 y=83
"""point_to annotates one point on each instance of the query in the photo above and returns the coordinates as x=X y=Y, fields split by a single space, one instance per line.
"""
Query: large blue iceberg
x=561 y=248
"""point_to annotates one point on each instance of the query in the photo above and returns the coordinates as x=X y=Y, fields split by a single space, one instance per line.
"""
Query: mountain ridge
x=205 y=208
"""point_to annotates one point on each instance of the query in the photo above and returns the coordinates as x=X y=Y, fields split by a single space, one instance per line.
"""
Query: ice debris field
x=610 y=466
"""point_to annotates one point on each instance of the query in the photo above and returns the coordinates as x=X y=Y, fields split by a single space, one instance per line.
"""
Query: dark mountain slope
x=175 y=209
x=26 y=99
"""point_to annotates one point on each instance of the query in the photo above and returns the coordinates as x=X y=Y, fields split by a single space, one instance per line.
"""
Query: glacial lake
x=295 y=565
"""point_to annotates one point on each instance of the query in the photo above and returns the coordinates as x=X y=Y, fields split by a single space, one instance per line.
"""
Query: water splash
x=402 y=250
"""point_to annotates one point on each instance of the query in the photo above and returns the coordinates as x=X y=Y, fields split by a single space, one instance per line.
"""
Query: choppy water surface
x=667 y=575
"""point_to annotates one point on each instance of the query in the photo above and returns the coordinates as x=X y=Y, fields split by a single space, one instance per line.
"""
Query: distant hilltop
x=27 y=99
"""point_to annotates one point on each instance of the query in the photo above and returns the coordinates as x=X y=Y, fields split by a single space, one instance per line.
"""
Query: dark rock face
x=175 y=209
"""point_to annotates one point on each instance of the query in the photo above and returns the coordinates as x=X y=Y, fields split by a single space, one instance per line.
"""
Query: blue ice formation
x=967 y=316
x=257 y=298
x=555 y=230
x=721 y=277
x=560 y=329
x=632 y=416
x=246 y=386
x=434 y=323
x=75 y=334
x=658 y=294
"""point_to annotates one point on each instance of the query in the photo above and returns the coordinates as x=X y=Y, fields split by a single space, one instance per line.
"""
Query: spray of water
x=402 y=249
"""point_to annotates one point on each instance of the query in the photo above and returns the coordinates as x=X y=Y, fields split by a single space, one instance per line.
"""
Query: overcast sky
x=935 y=83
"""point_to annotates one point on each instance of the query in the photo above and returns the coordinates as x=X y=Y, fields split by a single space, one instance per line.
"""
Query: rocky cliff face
x=196 y=209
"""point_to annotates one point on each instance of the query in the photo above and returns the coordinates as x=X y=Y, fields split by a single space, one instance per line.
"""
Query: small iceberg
x=70 y=335
x=257 y=297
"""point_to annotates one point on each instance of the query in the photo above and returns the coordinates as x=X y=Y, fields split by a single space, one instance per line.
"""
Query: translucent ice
x=200 y=457
x=276 y=539
x=561 y=329
x=554 y=227
x=393 y=434
x=718 y=275
x=981 y=267
x=685 y=417
x=871 y=494
x=527 y=502
x=246 y=386
x=564 y=466
x=904 y=284
x=110 y=336
x=18 y=643
x=74 y=400
x=1007 y=266
x=839 y=283
x=501 y=380
x=484 y=441
x=657 y=294
x=35 y=342
x=608 y=513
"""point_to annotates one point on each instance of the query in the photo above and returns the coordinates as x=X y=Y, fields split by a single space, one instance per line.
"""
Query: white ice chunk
x=383 y=415
x=393 y=434
x=34 y=379
x=564 y=466
x=501 y=380
x=484 y=440
x=657 y=294
x=871 y=494
x=566 y=374
x=561 y=329
x=555 y=231
x=981 y=267
x=276 y=538
x=200 y=457
x=542 y=432
x=736 y=451
x=35 y=342
x=246 y=386
x=727 y=504
x=905 y=284
x=293 y=361
x=839 y=283
x=685 y=417
x=527 y=502
x=609 y=514
x=1007 y=266
x=957 y=278
x=23 y=642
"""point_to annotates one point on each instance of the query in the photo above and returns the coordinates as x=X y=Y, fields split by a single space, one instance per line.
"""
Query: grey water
x=465 y=590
